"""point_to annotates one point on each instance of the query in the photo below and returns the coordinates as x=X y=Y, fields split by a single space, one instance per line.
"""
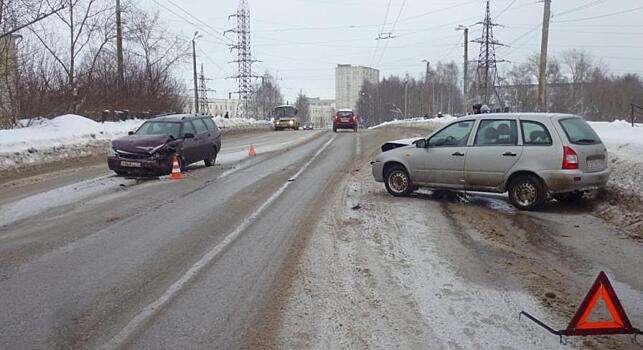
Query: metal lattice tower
x=204 y=106
x=244 y=58
x=486 y=71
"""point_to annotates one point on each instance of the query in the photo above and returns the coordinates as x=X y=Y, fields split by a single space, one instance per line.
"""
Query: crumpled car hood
x=398 y=143
x=141 y=143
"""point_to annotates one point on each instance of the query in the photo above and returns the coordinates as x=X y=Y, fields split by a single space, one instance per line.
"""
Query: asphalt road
x=294 y=248
x=161 y=264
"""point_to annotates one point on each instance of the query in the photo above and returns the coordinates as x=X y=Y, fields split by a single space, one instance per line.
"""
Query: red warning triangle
x=619 y=324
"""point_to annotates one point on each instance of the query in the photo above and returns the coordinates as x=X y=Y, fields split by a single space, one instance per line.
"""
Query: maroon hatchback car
x=150 y=150
x=345 y=119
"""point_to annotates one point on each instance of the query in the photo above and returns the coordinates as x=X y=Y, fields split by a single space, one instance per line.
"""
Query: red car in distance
x=345 y=119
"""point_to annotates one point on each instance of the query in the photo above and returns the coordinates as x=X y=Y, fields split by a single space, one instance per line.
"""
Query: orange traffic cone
x=252 y=152
x=176 y=170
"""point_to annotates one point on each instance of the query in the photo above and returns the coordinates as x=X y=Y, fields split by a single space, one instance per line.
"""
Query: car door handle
x=458 y=154
x=509 y=154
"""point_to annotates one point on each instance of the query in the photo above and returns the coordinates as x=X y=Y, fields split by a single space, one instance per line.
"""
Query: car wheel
x=569 y=197
x=211 y=159
x=355 y=129
x=334 y=129
x=526 y=192
x=398 y=182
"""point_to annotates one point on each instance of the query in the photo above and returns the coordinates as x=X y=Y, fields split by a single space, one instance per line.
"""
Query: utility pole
x=196 y=84
x=427 y=80
x=465 y=79
x=120 y=79
x=543 y=57
x=406 y=98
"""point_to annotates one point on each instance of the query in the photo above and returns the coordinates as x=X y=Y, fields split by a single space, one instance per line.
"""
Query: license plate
x=131 y=164
x=595 y=164
x=344 y=120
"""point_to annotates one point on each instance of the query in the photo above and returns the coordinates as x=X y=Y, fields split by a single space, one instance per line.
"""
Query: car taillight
x=570 y=158
x=353 y=118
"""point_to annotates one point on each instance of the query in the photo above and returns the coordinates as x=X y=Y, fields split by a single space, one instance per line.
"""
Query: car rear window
x=345 y=113
x=579 y=132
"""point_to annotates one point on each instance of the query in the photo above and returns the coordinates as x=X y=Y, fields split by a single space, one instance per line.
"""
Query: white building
x=216 y=106
x=348 y=82
x=321 y=111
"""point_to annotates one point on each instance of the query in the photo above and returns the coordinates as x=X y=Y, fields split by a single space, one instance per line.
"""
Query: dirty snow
x=447 y=118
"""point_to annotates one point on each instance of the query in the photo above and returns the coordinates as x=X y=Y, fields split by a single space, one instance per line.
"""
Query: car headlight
x=292 y=122
x=111 y=153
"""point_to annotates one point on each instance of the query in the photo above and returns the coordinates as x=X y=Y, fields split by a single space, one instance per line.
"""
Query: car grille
x=128 y=155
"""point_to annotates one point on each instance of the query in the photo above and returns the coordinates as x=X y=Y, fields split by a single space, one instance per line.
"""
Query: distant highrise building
x=348 y=82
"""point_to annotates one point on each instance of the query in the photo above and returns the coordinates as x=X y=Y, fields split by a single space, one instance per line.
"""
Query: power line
x=392 y=31
x=601 y=16
x=582 y=7
x=377 y=45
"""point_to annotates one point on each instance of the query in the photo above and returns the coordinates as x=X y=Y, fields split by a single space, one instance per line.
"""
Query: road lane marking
x=151 y=309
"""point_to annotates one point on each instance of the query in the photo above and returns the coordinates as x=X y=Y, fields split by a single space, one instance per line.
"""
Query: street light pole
x=196 y=85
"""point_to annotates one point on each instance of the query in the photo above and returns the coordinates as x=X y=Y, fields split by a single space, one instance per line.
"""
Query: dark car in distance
x=150 y=150
x=345 y=119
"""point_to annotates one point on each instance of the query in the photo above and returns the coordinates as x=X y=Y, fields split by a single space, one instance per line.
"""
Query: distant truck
x=286 y=118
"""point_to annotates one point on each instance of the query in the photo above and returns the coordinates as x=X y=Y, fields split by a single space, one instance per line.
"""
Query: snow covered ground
x=73 y=136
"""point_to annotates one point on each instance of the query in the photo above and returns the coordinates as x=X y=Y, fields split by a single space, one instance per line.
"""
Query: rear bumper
x=344 y=125
x=147 y=167
x=378 y=171
x=575 y=180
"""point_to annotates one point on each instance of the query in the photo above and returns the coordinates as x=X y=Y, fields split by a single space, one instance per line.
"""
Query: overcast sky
x=302 y=41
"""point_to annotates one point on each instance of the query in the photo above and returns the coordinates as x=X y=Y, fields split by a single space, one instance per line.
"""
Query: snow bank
x=64 y=130
x=73 y=136
x=621 y=138
x=238 y=123
x=414 y=121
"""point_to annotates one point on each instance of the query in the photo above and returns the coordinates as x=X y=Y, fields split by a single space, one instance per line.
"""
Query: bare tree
x=19 y=14
x=303 y=107
x=83 y=21
x=267 y=96
x=156 y=46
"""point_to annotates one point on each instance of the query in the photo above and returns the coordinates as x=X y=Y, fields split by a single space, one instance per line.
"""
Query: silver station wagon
x=530 y=156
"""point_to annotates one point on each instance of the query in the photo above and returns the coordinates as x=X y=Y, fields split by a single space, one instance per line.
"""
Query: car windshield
x=345 y=113
x=579 y=132
x=160 y=128
x=285 y=112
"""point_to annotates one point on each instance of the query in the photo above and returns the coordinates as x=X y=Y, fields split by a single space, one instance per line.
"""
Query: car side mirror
x=421 y=143
x=188 y=135
x=130 y=133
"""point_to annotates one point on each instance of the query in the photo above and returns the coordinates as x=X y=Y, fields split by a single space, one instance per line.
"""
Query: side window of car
x=453 y=135
x=200 y=126
x=534 y=133
x=188 y=128
x=492 y=132
x=210 y=123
